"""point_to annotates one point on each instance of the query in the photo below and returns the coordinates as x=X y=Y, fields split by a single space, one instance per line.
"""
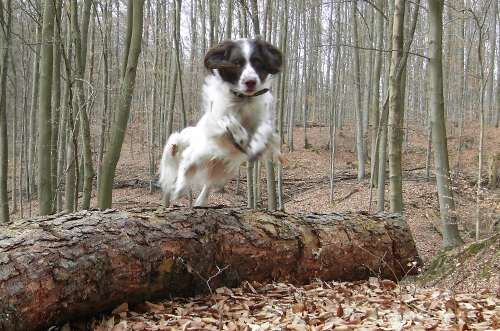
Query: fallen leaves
x=372 y=305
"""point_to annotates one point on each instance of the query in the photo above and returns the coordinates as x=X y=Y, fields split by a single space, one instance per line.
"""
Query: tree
x=80 y=46
x=129 y=65
x=5 y=40
x=451 y=236
x=45 y=192
x=396 y=110
x=360 y=141
x=375 y=99
x=497 y=94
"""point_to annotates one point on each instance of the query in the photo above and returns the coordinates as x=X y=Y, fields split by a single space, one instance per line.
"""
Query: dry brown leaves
x=372 y=305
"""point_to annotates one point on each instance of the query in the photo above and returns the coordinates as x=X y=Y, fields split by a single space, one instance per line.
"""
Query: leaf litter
x=368 y=305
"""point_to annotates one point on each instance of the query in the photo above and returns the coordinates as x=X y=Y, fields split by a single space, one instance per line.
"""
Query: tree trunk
x=396 y=111
x=126 y=90
x=56 y=269
x=493 y=170
x=80 y=44
x=177 y=37
x=360 y=145
x=6 y=20
x=375 y=99
x=491 y=73
x=255 y=18
x=451 y=236
x=45 y=192
x=56 y=102
x=497 y=94
x=31 y=159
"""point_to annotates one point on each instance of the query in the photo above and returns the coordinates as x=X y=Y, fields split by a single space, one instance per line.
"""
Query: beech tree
x=451 y=236
x=129 y=68
x=45 y=192
x=5 y=40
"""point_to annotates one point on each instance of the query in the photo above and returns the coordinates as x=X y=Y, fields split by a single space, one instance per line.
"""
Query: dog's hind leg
x=201 y=201
x=187 y=169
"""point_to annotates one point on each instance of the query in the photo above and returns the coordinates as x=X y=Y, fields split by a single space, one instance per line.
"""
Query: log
x=60 y=268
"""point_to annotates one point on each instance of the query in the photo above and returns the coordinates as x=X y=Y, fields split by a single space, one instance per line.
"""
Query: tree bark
x=60 y=268
x=360 y=145
x=6 y=23
x=451 y=236
x=119 y=127
x=396 y=111
x=375 y=100
x=45 y=192
x=80 y=46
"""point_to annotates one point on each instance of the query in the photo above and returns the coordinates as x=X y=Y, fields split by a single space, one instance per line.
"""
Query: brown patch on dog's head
x=272 y=59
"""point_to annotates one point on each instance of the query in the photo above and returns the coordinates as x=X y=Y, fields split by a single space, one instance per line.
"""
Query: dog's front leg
x=260 y=140
x=239 y=136
x=202 y=199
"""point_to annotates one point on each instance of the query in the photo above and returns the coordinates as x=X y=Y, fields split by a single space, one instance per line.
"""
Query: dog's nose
x=250 y=84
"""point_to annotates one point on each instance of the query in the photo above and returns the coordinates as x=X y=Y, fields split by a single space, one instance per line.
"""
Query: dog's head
x=244 y=64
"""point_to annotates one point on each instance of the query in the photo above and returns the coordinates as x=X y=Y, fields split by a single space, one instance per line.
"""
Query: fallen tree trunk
x=53 y=269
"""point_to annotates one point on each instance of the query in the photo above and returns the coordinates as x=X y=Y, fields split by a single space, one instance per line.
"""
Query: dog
x=237 y=124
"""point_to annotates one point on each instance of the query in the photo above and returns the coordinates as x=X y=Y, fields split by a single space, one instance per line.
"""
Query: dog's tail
x=170 y=162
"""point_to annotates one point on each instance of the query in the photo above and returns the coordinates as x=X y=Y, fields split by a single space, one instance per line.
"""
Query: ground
x=466 y=296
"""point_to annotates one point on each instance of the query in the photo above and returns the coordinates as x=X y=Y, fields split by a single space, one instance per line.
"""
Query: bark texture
x=57 y=268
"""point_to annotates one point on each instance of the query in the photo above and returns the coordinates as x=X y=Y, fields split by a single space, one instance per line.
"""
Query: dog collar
x=241 y=95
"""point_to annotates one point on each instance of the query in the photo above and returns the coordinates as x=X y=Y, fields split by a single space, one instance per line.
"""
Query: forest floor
x=466 y=296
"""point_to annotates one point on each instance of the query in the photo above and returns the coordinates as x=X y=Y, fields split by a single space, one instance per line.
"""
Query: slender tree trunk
x=250 y=185
x=360 y=146
x=6 y=24
x=255 y=17
x=493 y=43
x=497 y=94
x=462 y=87
x=15 y=141
x=382 y=160
x=177 y=36
x=45 y=192
x=375 y=99
x=56 y=100
x=80 y=43
x=482 y=82
x=229 y=19
x=72 y=129
x=396 y=111
x=33 y=141
x=106 y=54
x=451 y=236
x=134 y=30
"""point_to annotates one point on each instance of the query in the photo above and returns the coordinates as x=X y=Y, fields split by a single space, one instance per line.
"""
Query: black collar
x=241 y=95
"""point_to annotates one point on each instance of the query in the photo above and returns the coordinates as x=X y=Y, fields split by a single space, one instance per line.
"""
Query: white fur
x=248 y=120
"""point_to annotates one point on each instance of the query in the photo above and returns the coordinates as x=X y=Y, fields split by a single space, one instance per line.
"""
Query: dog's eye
x=239 y=62
x=256 y=62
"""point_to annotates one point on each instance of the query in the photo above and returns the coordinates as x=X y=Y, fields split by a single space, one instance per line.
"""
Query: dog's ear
x=217 y=57
x=272 y=55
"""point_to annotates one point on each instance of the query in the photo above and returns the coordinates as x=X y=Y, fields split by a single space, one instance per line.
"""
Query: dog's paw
x=236 y=131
